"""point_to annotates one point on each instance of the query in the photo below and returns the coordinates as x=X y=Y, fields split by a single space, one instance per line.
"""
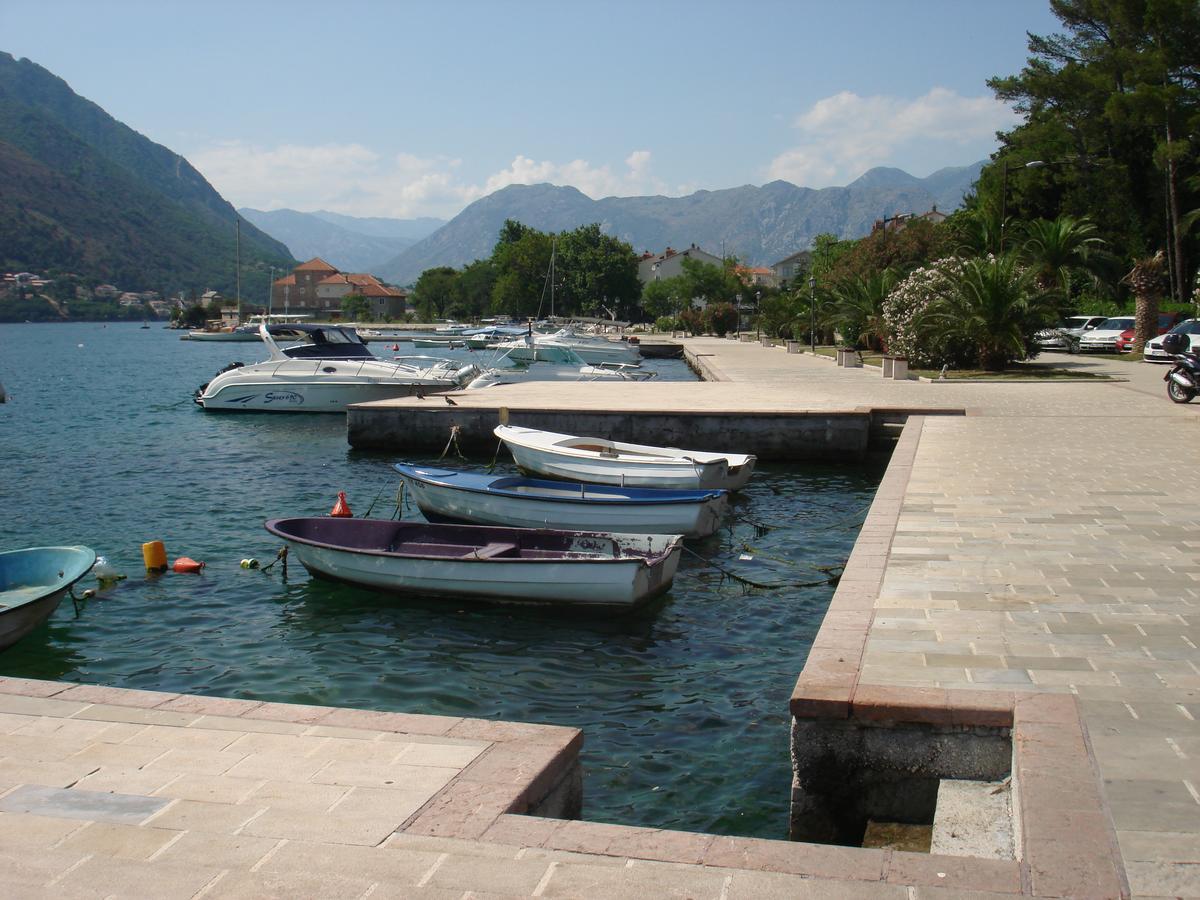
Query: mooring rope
x=454 y=430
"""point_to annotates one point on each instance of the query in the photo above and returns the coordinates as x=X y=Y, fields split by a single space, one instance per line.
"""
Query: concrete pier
x=1017 y=610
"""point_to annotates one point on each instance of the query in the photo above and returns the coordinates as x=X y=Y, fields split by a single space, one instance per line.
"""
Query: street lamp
x=812 y=305
x=757 y=315
x=1032 y=164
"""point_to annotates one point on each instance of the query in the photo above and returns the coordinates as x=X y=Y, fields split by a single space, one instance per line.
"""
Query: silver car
x=1067 y=333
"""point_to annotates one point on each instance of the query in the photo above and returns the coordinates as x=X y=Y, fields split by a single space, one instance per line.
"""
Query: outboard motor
x=1183 y=381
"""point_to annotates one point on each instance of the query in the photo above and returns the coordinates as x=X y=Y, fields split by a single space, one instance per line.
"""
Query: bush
x=909 y=301
x=665 y=323
x=720 y=318
x=691 y=320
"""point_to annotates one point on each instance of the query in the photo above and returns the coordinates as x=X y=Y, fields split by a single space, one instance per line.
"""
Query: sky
x=409 y=109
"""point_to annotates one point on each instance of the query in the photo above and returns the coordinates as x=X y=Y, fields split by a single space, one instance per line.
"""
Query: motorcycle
x=1183 y=380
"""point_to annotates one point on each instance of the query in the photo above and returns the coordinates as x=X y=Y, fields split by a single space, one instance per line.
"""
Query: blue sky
x=411 y=108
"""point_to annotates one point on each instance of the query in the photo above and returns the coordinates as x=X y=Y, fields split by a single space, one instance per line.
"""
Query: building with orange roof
x=756 y=276
x=317 y=288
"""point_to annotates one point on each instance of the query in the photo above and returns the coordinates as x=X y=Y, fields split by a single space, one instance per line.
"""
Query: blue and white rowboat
x=452 y=495
x=32 y=584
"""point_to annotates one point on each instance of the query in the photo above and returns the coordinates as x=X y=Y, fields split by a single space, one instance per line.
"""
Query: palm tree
x=1145 y=279
x=996 y=306
x=858 y=307
x=1051 y=248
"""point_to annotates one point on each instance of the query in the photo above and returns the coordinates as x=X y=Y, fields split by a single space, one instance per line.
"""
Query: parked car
x=1066 y=334
x=1154 y=351
x=1166 y=321
x=1103 y=338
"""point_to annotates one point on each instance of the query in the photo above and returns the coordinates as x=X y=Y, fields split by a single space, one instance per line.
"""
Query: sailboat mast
x=553 y=249
x=238 y=268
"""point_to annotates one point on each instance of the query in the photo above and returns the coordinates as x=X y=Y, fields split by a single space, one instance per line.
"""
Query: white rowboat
x=601 y=461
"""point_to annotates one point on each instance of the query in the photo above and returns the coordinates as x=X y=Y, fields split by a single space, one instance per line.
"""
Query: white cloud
x=346 y=178
x=595 y=181
x=356 y=180
x=844 y=135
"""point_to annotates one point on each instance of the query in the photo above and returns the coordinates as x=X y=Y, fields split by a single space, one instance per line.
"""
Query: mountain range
x=350 y=243
x=81 y=192
x=759 y=225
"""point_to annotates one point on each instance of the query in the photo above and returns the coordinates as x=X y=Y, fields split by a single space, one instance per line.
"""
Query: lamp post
x=812 y=307
x=757 y=317
x=1032 y=164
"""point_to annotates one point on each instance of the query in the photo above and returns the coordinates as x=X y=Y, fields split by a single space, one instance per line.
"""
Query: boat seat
x=418 y=548
x=487 y=551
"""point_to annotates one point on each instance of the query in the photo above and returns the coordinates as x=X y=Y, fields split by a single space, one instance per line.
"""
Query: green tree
x=473 y=290
x=665 y=297
x=598 y=273
x=993 y=305
x=1116 y=100
x=521 y=260
x=1052 y=248
x=856 y=307
x=355 y=308
x=704 y=281
x=434 y=292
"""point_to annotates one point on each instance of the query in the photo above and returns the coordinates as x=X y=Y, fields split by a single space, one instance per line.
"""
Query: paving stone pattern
x=1044 y=545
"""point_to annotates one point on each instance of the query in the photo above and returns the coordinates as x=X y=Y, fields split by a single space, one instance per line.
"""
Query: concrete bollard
x=895 y=367
x=795 y=347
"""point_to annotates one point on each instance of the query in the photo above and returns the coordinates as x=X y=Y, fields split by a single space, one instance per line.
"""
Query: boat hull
x=225 y=336
x=529 y=503
x=599 y=461
x=326 y=397
x=32 y=584
x=578 y=580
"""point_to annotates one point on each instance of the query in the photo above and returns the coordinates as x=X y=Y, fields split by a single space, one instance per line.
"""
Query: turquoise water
x=684 y=706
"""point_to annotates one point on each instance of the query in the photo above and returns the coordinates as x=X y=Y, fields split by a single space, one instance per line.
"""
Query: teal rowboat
x=32 y=584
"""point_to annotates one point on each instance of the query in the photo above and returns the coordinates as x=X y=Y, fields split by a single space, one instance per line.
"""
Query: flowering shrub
x=720 y=318
x=904 y=307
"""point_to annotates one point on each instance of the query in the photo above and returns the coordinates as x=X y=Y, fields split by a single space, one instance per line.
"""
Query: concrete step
x=973 y=818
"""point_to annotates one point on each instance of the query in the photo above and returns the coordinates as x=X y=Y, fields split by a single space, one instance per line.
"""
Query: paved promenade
x=1036 y=561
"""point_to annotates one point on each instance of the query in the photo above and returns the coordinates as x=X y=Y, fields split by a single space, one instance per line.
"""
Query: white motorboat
x=574 y=569
x=452 y=495
x=330 y=369
x=593 y=349
x=567 y=365
x=601 y=461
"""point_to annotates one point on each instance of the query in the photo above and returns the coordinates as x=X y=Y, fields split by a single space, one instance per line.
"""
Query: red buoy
x=395 y=346
x=187 y=564
x=341 y=509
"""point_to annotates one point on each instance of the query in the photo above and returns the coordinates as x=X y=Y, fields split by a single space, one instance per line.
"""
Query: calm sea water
x=684 y=706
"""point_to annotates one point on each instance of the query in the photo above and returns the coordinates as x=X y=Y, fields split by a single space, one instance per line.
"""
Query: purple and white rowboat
x=578 y=569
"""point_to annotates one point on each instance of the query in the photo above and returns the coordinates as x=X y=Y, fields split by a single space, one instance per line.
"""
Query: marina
x=980 y=598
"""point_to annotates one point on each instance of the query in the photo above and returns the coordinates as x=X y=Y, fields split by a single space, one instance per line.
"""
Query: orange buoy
x=155 y=556
x=187 y=564
x=395 y=346
x=341 y=509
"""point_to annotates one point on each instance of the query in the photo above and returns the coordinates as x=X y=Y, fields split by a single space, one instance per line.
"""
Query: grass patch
x=1022 y=371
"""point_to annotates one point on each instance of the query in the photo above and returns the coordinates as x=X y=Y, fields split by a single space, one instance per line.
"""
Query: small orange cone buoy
x=341 y=509
x=187 y=564
x=395 y=346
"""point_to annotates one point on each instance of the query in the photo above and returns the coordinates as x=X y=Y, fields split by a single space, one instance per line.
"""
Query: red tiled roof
x=291 y=279
x=315 y=264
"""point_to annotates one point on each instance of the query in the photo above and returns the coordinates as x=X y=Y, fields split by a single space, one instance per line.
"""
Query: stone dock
x=1009 y=656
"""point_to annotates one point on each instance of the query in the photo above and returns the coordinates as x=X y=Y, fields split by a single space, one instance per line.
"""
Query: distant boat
x=576 y=569
x=33 y=583
x=145 y=324
x=457 y=496
x=601 y=461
